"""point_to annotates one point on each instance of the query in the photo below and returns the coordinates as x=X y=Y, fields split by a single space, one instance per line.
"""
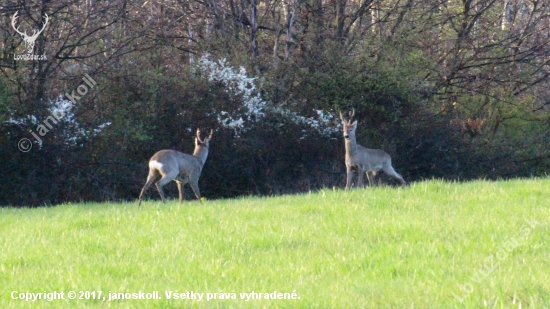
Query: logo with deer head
x=29 y=39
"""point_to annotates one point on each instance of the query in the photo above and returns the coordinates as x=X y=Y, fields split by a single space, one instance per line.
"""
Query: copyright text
x=153 y=295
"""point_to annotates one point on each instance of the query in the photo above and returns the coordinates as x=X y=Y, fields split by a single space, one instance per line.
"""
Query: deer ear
x=354 y=124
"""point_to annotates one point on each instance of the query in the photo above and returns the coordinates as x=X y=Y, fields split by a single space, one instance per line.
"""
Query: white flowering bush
x=324 y=123
x=73 y=131
x=253 y=107
x=238 y=84
x=65 y=127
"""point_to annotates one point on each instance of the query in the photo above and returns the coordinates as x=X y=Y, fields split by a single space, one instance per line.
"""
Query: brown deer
x=362 y=160
x=183 y=168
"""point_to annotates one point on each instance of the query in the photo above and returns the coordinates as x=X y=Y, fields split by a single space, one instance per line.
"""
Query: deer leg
x=360 y=178
x=372 y=180
x=151 y=178
x=349 y=172
x=164 y=180
x=161 y=193
x=370 y=177
x=180 y=189
x=195 y=186
x=388 y=169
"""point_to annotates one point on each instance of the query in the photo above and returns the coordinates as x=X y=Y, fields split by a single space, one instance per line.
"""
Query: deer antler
x=351 y=114
x=13 y=19
x=43 y=27
x=342 y=118
x=211 y=132
x=199 y=136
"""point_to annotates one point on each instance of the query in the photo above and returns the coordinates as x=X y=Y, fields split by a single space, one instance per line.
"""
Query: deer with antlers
x=362 y=160
x=29 y=39
x=168 y=165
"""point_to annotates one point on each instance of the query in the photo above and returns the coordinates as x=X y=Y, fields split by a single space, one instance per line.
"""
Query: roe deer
x=362 y=160
x=183 y=168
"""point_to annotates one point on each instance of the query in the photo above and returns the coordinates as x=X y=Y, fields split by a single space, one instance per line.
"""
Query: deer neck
x=351 y=145
x=201 y=152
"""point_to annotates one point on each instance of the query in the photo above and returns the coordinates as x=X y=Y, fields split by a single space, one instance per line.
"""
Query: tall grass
x=434 y=244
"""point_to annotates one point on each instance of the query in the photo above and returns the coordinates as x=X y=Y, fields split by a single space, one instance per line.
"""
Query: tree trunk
x=291 y=13
x=253 y=29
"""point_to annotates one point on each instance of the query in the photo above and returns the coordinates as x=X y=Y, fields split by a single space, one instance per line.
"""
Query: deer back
x=170 y=160
x=371 y=158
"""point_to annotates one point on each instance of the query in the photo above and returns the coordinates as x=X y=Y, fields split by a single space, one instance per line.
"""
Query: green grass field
x=434 y=244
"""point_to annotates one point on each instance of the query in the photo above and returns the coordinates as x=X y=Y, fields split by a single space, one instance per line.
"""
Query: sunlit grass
x=425 y=246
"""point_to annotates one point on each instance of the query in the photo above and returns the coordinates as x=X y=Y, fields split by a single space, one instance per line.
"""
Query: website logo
x=29 y=40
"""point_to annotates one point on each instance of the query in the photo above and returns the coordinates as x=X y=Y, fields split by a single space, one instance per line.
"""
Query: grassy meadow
x=433 y=244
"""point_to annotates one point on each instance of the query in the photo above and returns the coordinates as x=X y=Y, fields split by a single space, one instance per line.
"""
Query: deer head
x=348 y=126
